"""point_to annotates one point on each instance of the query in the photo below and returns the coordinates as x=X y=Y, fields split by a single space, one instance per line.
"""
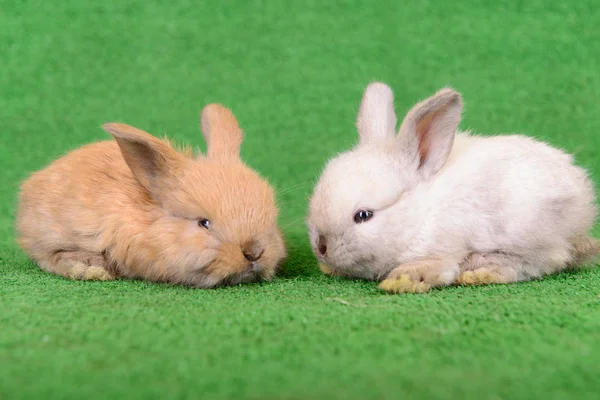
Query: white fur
x=508 y=194
x=449 y=275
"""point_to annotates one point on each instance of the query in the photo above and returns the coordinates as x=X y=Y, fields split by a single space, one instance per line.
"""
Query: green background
x=293 y=73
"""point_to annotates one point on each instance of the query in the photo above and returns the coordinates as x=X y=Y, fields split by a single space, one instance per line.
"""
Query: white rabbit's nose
x=322 y=245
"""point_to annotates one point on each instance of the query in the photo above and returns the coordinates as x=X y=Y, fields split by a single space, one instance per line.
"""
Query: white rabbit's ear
x=376 y=119
x=428 y=130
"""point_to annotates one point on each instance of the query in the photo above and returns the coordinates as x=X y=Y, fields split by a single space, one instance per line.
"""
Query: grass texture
x=293 y=73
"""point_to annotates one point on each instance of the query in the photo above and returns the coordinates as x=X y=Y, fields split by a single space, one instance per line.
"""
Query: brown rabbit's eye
x=363 y=216
x=204 y=223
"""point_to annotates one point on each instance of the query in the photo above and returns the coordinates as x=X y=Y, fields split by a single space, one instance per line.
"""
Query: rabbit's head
x=217 y=217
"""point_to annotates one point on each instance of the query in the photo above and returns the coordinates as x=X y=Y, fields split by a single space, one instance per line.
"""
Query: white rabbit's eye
x=203 y=222
x=363 y=216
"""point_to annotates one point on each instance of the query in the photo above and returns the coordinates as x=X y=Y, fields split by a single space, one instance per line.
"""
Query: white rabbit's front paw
x=404 y=284
x=327 y=270
x=420 y=276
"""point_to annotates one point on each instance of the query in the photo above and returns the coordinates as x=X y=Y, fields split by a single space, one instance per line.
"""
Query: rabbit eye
x=203 y=222
x=363 y=216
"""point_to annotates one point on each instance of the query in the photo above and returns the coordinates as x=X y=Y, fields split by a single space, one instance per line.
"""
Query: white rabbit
x=432 y=207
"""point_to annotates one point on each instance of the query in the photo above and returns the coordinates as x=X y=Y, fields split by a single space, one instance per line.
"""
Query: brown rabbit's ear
x=150 y=159
x=428 y=130
x=221 y=132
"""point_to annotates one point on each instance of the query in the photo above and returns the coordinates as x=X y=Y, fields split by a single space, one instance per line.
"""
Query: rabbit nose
x=322 y=245
x=252 y=252
x=252 y=257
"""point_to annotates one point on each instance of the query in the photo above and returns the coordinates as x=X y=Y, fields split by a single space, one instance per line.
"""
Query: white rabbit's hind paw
x=482 y=276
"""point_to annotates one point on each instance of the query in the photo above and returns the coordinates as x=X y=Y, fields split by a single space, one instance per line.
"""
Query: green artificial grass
x=293 y=73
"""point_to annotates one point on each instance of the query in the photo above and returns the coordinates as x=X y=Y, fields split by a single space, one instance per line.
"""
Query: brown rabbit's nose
x=322 y=245
x=252 y=252
x=252 y=256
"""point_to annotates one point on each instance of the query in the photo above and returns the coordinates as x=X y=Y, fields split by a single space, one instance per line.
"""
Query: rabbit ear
x=428 y=130
x=376 y=119
x=221 y=132
x=151 y=160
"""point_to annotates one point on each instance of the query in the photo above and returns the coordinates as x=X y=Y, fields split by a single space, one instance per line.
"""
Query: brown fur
x=131 y=207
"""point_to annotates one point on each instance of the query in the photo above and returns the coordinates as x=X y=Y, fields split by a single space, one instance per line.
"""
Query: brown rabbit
x=137 y=208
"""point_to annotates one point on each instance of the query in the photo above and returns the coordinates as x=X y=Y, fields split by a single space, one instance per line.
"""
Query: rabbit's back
x=515 y=192
x=77 y=201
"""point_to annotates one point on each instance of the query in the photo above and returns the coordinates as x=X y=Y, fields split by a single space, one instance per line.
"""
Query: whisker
x=295 y=222
x=297 y=185
x=292 y=188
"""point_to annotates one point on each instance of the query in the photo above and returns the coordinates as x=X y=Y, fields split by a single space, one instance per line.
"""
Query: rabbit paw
x=327 y=271
x=420 y=276
x=84 y=272
x=481 y=276
x=98 y=274
x=404 y=284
